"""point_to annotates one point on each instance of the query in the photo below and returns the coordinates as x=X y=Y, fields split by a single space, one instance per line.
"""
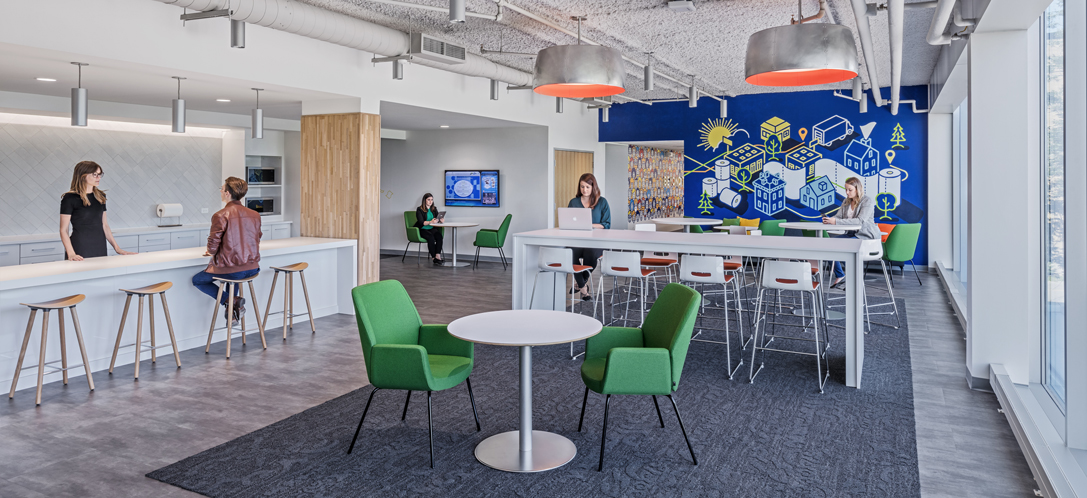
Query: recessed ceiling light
x=445 y=126
x=222 y=100
x=46 y=79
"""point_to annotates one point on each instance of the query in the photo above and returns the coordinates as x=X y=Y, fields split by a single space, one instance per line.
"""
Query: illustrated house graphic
x=774 y=126
x=861 y=158
x=746 y=157
x=769 y=193
x=803 y=158
x=817 y=194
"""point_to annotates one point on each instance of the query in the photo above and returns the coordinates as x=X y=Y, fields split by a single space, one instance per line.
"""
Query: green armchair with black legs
x=644 y=361
x=402 y=353
x=413 y=234
x=494 y=239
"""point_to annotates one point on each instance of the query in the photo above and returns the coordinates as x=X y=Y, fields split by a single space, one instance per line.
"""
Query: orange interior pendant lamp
x=801 y=54
x=579 y=71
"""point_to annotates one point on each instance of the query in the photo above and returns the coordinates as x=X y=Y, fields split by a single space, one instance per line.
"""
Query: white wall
x=616 y=189
x=940 y=183
x=412 y=167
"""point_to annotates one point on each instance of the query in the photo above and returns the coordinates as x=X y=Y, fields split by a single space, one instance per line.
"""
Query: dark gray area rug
x=775 y=437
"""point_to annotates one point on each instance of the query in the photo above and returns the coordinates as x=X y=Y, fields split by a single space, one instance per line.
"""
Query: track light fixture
x=237 y=33
x=456 y=11
x=79 y=99
x=648 y=79
x=604 y=114
x=724 y=107
x=258 y=117
x=494 y=89
x=179 y=109
x=558 y=105
x=398 y=70
x=692 y=94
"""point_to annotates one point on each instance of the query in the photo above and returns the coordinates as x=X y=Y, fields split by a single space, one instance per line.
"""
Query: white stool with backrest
x=57 y=304
x=560 y=260
x=148 y=292
x=231 y=287
x=711 y=270
x=288 y=297
x=617 y=264
x=789 y=276
x=872 y=250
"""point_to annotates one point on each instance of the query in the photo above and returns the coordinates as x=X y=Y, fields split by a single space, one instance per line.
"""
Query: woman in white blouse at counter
x=84 y=208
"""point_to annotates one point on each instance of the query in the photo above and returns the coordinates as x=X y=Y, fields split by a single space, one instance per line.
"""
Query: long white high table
x=526 y=247
x=331 y=275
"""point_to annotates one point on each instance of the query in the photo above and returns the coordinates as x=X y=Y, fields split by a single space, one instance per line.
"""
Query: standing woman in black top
x=84 y=207
x=425 y=215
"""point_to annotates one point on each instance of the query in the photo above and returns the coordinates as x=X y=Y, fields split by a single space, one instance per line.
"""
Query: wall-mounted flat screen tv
x=471 y=188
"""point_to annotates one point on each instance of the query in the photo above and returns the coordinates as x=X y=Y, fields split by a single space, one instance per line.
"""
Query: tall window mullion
x=1053 y=190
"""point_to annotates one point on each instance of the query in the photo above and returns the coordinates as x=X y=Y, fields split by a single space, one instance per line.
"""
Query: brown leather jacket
x=234 y=241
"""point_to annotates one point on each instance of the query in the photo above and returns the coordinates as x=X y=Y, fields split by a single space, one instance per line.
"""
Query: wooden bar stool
x=231 y=287
x=149 y=292
x=288 y=297
x=57 y=304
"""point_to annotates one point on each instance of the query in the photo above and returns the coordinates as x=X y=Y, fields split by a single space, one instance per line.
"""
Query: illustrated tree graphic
x=898 y=137
x=743 y=176
x=772 y=146
x=886 y=202
x=705 y=203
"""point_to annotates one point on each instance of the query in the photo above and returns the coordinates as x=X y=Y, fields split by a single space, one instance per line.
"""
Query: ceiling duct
x=428 y=47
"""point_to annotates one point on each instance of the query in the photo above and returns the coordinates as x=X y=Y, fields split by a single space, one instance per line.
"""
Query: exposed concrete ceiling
x=709 y=43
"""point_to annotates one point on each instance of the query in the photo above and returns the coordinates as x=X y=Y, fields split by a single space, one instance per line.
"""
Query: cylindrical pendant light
x=494 y=89
x=456 y=10
x=858 y=92
x=863 y=103
x=648 y=79
x=801 y=54
x=692 y=94
x=558 y=105
x=398 y=70
x=724 y=108
x=579 y=71
x=258 y=117
x=79 y=99
x=179 y=109
x=237 y=33
x=604 y=114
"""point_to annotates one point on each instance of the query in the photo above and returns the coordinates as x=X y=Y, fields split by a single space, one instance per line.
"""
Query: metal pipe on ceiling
x=938 y=26
x=895 y=14
x=433 y=8
x=864 y=31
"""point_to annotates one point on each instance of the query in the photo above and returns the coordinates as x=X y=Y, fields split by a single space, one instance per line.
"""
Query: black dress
x=88 y=235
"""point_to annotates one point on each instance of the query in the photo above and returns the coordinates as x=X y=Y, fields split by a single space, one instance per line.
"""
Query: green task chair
x=902 y=244
x=402 y=353
x=494 y=239
x=413 y=234
x=644 y=361
x=695 y=228
x=771 y=227
x=730 y=222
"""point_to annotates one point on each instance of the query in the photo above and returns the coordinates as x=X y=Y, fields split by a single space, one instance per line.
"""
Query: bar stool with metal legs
x=288 y=297
x=556 y=260
x=790 y=276
x=627 y=265
x=711 y=270
x=149 y=292
x=231 y=287
x=57 y=304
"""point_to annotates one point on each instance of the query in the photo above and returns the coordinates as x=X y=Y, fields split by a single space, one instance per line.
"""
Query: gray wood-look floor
x=101 y=444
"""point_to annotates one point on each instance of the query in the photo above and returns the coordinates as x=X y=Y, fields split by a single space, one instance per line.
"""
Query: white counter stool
x=790 y=276
x=617 y=264
x=288 y=297
x=57 y=304
x=872 y=250
x=149 y=292
x=560 y=260
x=704 y=270
x=231 y=286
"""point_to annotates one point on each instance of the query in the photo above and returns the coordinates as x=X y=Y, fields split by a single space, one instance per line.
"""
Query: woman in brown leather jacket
x=233 y=244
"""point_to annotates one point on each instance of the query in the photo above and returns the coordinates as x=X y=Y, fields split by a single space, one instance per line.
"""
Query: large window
x=1053 y=224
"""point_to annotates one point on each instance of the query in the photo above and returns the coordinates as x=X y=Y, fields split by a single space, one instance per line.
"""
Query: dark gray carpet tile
x=776 y=437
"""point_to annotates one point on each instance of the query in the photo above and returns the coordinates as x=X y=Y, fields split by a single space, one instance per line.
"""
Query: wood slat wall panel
x=569 y=166
x=341 y=177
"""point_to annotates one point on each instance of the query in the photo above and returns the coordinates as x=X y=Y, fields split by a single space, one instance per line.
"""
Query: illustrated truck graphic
x=831 y=129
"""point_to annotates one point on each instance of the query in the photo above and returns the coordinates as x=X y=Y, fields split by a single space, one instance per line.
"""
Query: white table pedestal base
x=502 y=452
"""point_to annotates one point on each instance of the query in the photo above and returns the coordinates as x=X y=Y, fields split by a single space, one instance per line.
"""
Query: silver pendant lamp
x=800 y=55
x=258 y=117
x=79 y=99
x=579 y=71
x=179 y=109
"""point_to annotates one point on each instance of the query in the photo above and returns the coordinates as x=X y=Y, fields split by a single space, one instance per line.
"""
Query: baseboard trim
x=460 y=256
x=978 y=383
x=955 y=292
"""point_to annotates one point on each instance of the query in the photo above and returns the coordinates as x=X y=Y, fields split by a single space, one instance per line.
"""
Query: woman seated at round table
x=425 y=216
x=856 y=209
x=588 y=196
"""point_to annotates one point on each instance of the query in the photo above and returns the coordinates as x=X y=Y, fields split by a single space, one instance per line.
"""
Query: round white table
x=525 y=450
x=818 y=226
x=686 y=222
x=729 y=228
x=453 y=227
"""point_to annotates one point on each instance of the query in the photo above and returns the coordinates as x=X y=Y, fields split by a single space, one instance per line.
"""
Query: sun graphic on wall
x=716 y=132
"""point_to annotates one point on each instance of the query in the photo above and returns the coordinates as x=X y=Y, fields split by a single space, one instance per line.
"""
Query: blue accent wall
x=800 y=136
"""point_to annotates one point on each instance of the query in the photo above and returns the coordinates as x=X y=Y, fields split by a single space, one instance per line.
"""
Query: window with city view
x=1053 y=228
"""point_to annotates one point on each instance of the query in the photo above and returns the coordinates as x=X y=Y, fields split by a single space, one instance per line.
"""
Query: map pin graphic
x=890 y=156
x=803 y=133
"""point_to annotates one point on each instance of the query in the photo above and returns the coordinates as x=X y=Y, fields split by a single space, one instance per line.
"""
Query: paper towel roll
x=169 y=210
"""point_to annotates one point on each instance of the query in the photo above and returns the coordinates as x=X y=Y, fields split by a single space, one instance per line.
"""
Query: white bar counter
x=526 y=254
x=331 y=275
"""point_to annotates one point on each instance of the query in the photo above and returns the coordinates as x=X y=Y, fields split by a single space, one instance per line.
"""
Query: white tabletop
x=686 y=221
x=454 y=224
x=525 y=327
x=815 y=225
x=728 y=228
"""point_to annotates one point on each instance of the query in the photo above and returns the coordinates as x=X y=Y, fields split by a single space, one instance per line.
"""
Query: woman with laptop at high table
x=588 y=197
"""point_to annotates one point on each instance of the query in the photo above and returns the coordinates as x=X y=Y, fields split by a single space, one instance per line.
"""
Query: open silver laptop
x=575 y=219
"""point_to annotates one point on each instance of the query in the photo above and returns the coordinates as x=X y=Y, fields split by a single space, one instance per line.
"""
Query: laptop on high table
x=575 y=219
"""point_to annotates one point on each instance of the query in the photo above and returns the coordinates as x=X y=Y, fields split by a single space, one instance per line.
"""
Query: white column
x=940 y=171
x=1075 y=157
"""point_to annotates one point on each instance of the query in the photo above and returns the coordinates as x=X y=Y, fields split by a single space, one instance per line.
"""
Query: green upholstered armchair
x=646 y=360
x=402 y=353
x=494 y=239
x=413 y=234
